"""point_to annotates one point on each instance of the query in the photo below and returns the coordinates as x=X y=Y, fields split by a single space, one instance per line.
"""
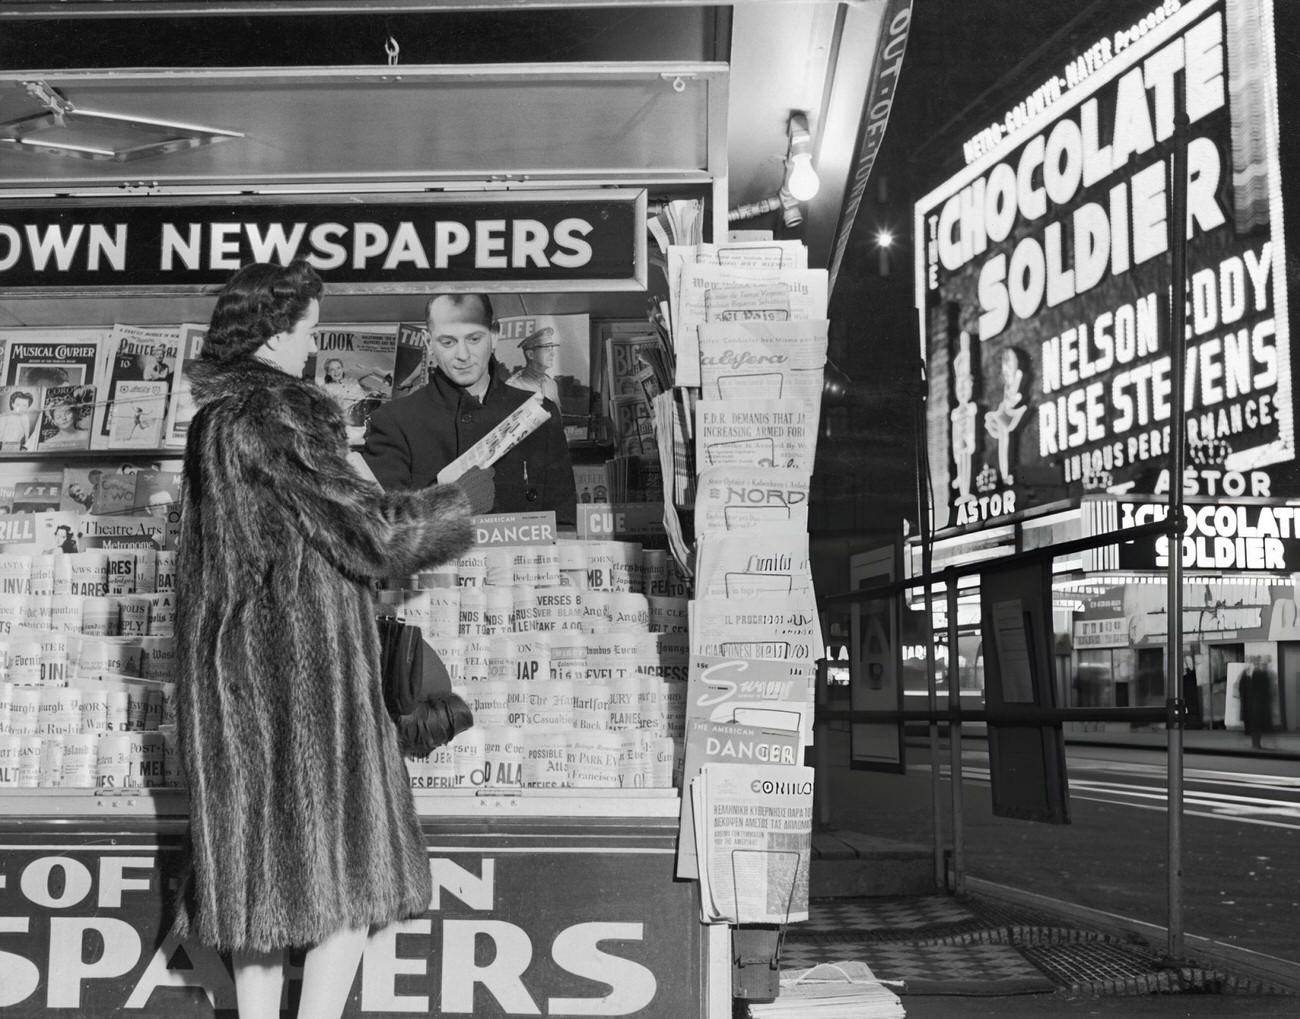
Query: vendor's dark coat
x=301 y=816
x=411 y=439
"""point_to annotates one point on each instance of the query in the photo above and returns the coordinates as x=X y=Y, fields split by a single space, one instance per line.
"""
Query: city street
x=1241 y=835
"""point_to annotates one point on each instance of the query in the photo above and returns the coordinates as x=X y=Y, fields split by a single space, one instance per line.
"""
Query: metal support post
x=932 y=686
x=821 y=750
x=1177 y=465
x=954 y=744
x=936 y=784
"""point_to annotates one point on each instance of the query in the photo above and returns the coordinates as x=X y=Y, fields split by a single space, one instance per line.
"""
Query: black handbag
x=417 y=690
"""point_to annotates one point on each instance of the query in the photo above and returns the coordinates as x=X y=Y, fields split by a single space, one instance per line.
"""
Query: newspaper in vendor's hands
x=517 y=426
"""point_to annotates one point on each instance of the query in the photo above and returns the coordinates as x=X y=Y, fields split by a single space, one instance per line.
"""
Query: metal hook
x=392 y=49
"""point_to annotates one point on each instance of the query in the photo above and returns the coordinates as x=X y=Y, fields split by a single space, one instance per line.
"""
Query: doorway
x=1288 y=685
x=1150 y=676
x=1221 y=655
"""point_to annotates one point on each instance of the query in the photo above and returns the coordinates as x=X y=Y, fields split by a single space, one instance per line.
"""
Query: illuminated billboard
x=1043 y=275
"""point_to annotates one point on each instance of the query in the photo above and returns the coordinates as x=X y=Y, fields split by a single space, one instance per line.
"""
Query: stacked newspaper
x=832 y=990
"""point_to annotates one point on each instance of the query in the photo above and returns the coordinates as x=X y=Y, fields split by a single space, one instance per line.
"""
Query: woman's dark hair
x=260 y=300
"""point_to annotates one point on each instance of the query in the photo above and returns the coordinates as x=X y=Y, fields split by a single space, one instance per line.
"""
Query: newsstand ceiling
x=427 y=126
x=668 y=125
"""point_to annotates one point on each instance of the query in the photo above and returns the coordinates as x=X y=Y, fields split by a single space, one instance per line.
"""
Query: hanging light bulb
x=804 y=181
x=801 y=179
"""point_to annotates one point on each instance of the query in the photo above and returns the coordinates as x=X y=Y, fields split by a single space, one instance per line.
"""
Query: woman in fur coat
x=302 y=827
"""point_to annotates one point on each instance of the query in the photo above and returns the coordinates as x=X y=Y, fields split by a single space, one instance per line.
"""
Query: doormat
x=973 y=946
x=914 y=945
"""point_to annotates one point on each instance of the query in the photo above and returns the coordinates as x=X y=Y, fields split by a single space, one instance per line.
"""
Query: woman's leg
x=328 y=972
x=259 y=982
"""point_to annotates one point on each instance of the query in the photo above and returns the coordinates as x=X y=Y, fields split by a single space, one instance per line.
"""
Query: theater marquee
x=1217 y=537
x=1042 y=269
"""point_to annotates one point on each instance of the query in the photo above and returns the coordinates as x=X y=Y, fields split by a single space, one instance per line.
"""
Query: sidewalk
x=978 y=956
x=1004 y=952
x=1211 y=1006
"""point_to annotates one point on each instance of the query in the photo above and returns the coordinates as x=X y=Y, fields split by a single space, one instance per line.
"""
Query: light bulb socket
x=791 y=214
x=800 y=137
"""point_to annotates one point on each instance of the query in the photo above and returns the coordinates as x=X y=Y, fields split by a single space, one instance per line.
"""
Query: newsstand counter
x=545 y=902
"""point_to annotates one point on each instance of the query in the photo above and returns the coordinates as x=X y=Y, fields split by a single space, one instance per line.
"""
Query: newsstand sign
x=389 y=243
x=558 y=930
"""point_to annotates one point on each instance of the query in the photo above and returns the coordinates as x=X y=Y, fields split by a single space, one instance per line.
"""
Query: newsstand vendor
x=412 y=438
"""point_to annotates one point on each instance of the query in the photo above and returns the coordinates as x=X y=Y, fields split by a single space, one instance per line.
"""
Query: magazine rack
x=756 y=947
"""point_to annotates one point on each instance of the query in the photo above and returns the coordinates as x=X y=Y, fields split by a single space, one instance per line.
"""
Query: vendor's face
x=460 y=341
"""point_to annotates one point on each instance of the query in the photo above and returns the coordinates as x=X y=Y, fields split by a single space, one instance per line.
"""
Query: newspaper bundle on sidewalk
x=831 y=990
x=753 y=836
x=517 y=426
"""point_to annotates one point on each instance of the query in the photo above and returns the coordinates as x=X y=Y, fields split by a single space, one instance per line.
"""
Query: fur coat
x=301 y=817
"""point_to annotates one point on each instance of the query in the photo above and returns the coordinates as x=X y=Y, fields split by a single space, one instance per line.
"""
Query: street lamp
x=884 y=243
